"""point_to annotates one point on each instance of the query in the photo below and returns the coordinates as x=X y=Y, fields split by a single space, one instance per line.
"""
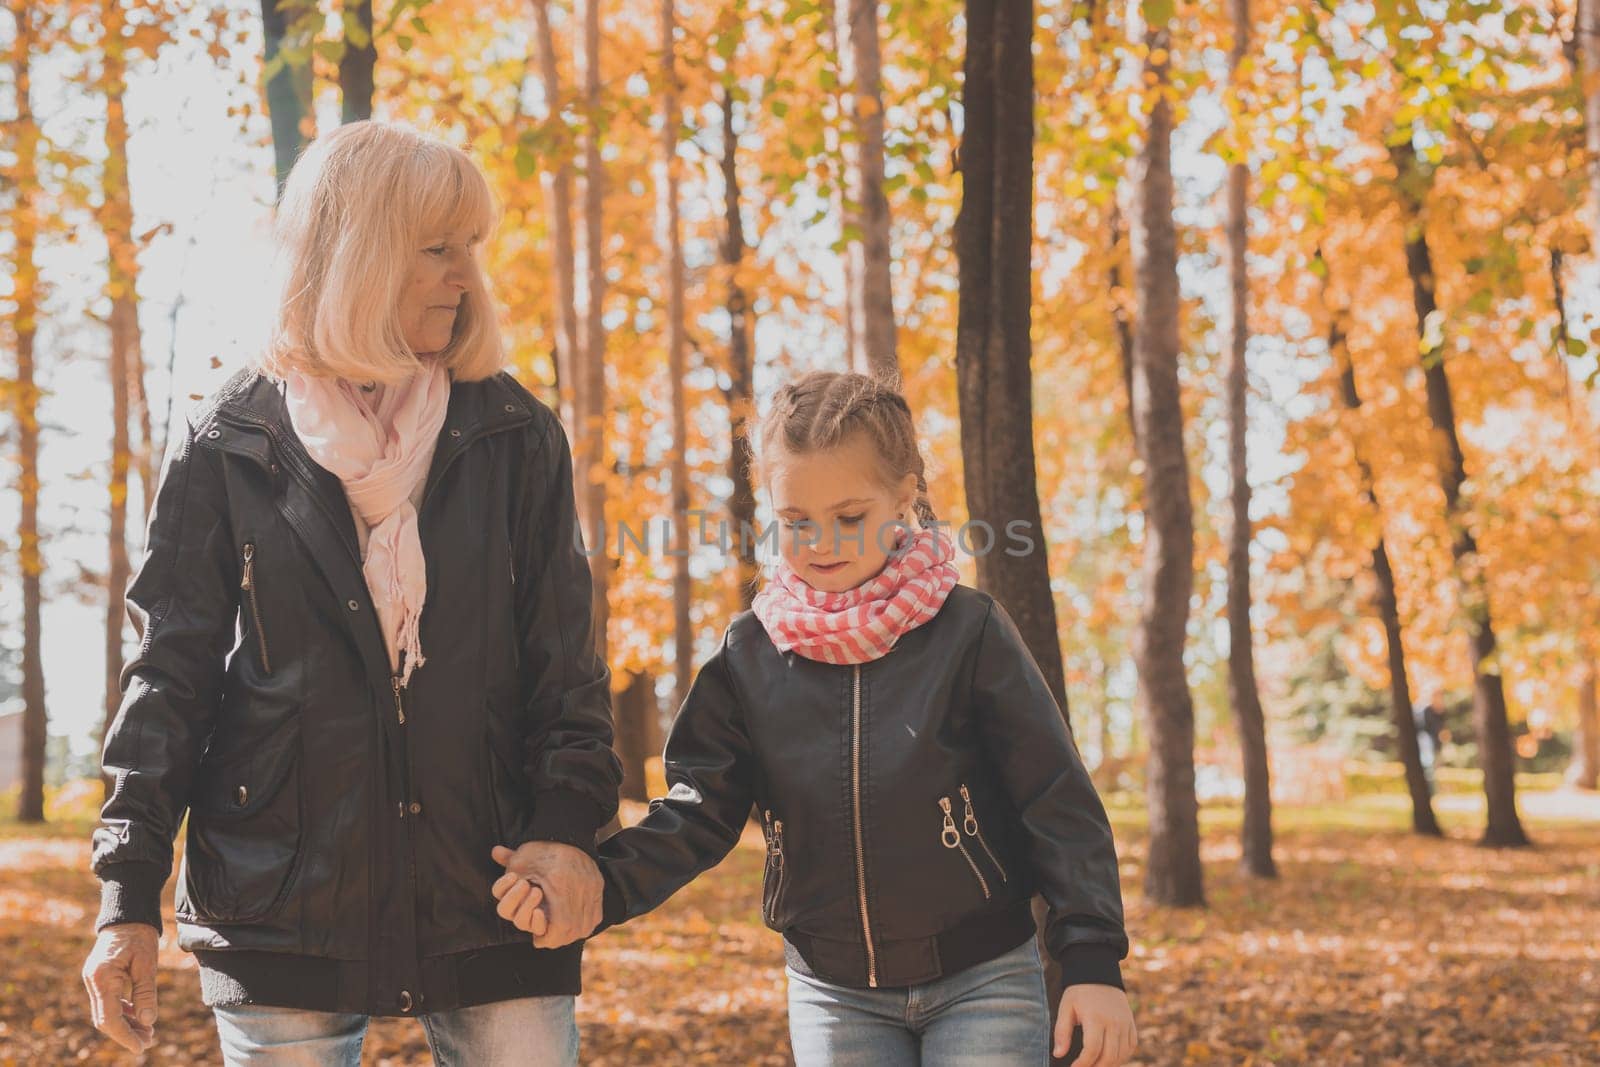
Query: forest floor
x=1372 y=947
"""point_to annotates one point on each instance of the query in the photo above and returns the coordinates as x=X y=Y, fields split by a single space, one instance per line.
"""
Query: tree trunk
x=592 y=434
x=557 y=181
x=289 y=88
x=682 y=591
x=1495 y=755
x=1585 y=771
x=116 y=221
x=994 y=376
x=1173 y=874
x=638 y=733
x=25 y=410
x=741 y=391
x=1589 y=51
x=1256 y=835
x=1119 y=313
x=357 y=64
x=1385 y=599
x=833 y=33
x=871 y=294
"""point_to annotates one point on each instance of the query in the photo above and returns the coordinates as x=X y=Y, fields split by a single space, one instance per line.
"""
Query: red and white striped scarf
x=861 y=624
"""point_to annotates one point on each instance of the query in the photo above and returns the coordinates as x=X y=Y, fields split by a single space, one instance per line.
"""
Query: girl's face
x=440 y=274
x=837 y=521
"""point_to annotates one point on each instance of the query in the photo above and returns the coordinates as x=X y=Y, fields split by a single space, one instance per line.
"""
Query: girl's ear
x=906 y=498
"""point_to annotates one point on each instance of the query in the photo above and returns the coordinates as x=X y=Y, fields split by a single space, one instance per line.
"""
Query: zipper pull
x=249 y=580
x=399 y=708
x=970 y=823
x=949 y=835
x=777 y=842
x=767 y=829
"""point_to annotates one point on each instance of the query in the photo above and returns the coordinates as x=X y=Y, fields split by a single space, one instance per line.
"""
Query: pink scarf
x=380 y=456
x=861 y=624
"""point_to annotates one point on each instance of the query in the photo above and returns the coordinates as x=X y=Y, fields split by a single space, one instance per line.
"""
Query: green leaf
x=1576 y=347
x=332 y=51
x=405 y=42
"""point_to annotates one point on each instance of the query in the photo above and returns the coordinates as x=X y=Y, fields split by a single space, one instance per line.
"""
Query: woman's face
x=440 y=274
x=837 y=521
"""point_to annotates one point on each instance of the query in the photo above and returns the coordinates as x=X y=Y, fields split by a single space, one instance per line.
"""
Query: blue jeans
x=988 y=1015
x=540 y=1031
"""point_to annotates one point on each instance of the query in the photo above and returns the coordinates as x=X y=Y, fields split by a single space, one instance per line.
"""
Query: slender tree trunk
x=1589 y=51
x=1495 y=755
x=24 y=395
x=741 y=391
x=682 y=591
x=871 y=294
x=638 y=733
x=1119 y=312
x=592 y=437
x=1256 y=835
x=145 y=454
x=557 y=180
x=288 y=90
x=1385 y=600
x=358 y=63
x=994 y=376
x=1585 y=771
x=1173 y=874
x=116 y=221
x=1585 y=767
x=835 y=139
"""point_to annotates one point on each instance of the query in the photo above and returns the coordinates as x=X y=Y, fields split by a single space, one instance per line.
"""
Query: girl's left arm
x=1067 y=834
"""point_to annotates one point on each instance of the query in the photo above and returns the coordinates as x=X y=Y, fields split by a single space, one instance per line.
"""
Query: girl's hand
x=1109 y=1037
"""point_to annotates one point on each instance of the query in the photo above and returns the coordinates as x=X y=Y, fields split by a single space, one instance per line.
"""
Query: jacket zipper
x=399 y=706
x=970 y=825
x=248 y=584
x=855 y=799
x=775 y=862
x=951 y=837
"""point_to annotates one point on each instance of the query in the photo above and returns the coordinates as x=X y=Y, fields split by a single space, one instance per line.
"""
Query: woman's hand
x=120 y=975
x=551 y=890
x=1109 y=1037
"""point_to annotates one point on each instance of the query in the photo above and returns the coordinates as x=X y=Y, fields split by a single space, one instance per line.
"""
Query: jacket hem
x=915 y=961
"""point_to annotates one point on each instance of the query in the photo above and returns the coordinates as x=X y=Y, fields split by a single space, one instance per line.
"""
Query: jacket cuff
x=130 y=892
x=613 y=908
x=566 y=817
x=1091 y=964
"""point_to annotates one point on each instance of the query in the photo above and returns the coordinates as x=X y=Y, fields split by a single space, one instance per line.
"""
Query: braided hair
x=823 y=409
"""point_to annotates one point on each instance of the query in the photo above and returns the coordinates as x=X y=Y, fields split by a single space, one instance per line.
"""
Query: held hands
x=550 y=890
x=120 y=975
x=1109 y=1037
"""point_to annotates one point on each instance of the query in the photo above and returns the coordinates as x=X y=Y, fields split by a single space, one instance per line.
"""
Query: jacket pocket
x=974 y=832
x=245 y=828
x=950 y=838
x=247 y=585
x=773 y=878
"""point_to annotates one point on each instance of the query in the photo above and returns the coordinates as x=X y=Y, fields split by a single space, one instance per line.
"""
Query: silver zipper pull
x=777 y=842
x=248 y=581
x=949 y=835
x=399 y=708
x=767 y=830
x=970 y=823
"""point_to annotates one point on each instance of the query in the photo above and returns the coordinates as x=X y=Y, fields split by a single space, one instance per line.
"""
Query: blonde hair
x=824 y=409
x=355 y=208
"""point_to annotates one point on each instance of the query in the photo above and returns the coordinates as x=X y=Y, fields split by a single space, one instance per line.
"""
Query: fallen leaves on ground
x=1373 y=948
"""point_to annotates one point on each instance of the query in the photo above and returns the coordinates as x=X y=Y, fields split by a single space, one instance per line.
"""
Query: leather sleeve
x=566 y=685
x=185 y=594
x=1067 y=834
x=710 y=789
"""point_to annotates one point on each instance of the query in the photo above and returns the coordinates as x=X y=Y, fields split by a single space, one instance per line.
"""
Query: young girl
x=916 y=780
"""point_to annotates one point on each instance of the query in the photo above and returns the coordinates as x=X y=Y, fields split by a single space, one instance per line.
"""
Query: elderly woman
x=367 y=671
